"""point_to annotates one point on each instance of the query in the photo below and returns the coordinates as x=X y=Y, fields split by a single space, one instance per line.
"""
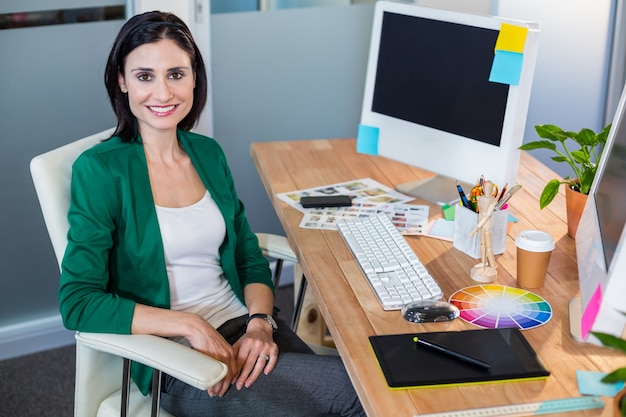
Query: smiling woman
x=159 y=243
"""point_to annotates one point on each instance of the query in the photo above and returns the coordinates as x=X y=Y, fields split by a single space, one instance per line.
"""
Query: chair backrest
x=52 y=175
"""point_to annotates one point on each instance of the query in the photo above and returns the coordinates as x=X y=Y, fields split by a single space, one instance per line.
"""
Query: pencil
x=503 y=191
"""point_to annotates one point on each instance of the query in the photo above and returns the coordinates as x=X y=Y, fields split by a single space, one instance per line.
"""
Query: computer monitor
x=429 y=98
x=600 y=240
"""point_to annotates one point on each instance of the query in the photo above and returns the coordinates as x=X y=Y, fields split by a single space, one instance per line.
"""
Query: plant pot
x=574 y=203
x=618 y=400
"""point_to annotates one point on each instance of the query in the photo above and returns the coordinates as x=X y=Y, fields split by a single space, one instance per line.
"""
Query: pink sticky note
x=591 y=312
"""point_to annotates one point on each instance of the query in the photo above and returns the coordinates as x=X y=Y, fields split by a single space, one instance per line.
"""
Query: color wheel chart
x=500 y=306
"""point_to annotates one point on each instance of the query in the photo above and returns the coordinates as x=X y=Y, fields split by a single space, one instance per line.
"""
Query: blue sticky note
x=506 y=67
x=367 y=140
x=589 y=383
x=442 y=228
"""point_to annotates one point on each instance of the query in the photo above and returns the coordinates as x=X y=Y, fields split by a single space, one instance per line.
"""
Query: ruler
x=527 y=409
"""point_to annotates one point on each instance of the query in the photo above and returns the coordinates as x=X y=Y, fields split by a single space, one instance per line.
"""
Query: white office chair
x=103 y=387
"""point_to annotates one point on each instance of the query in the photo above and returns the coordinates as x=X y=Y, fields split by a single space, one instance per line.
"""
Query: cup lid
x=535 y=241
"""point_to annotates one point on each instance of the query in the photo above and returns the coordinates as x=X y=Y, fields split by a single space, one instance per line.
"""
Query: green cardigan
x=114 y=256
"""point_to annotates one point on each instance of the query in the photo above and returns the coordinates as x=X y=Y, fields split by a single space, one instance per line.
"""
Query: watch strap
x=265 y=317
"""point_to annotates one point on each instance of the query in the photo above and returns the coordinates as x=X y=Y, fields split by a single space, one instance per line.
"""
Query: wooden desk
x=352 y=313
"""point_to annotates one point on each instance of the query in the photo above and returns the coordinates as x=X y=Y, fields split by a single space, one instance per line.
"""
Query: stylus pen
x=453 y=353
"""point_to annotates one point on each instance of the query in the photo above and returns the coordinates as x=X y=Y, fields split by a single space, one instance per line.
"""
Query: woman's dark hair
x=145 y=28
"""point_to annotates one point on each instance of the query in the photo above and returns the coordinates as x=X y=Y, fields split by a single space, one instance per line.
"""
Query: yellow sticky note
x=511 y=38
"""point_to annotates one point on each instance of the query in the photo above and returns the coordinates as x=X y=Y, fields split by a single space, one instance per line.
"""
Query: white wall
x=569 y=88
x=52 y=93
x=285 y=75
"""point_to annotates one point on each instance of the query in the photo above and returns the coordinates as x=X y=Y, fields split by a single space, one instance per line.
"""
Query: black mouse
x=429 y=311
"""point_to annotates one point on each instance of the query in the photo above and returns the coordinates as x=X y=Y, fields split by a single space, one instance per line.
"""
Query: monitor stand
x=575 y=316
x=439 y=189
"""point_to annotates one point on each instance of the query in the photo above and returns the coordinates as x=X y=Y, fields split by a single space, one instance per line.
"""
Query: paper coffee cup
x=534 y=248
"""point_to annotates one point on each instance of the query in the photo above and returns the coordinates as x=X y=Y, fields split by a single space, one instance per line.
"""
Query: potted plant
x=583 y=162
x=617 y=375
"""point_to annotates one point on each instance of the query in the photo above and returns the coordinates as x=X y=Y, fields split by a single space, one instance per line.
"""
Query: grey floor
x=42 y=384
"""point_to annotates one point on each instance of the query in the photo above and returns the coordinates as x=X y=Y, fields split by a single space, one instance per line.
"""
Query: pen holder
x=465 y=220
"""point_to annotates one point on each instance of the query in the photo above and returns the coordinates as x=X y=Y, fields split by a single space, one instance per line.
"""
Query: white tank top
x=192 y=237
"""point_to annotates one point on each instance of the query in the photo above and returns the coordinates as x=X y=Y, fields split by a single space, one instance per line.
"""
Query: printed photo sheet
x=368 y=197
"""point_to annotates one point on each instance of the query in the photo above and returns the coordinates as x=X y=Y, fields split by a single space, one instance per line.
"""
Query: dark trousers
x=301 y=385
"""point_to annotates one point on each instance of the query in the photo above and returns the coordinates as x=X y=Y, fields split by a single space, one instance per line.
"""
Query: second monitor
x=444 y=98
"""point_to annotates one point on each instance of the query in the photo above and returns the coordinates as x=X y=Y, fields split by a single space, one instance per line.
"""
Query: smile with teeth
x=162 y=109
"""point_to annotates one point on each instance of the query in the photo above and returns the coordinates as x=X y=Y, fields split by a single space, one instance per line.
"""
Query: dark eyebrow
x=179 y=68
x=142 y=69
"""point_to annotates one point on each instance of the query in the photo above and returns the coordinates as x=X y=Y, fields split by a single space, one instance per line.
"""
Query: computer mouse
x=429 y=311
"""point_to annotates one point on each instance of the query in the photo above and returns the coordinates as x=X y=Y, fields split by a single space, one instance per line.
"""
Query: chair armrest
x=276 y=246
x=181 y=362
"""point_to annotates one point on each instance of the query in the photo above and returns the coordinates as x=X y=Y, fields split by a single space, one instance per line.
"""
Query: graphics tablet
x=406 y=363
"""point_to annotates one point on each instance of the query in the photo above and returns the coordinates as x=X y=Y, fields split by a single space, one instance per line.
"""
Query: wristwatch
x=265 y=317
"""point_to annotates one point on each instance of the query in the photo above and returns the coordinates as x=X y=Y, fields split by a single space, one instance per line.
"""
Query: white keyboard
x=395 y=273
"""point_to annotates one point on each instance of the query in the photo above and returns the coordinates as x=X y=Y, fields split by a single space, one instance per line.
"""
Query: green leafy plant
x=619 y=374
x=582 y=161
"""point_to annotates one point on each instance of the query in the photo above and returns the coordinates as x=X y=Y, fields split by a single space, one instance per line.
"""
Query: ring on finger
x=266 y=357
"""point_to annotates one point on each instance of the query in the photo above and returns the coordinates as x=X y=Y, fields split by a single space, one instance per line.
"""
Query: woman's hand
x=210 y=342
x=256 y=352
x=201 y=336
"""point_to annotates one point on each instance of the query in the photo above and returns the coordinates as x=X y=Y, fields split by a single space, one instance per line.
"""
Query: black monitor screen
x=611 y=194
x=436 y=74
